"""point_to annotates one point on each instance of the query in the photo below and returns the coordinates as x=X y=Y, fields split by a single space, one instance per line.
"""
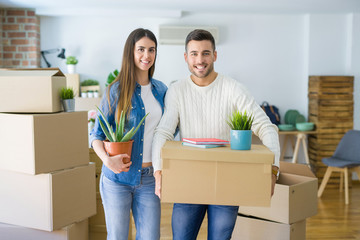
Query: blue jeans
x=118 y=199
x=187 y=218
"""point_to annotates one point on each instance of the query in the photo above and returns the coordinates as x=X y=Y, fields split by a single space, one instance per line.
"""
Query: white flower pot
x=96 y=94
x=71 y=68
x=84 y=95
x=90 y=94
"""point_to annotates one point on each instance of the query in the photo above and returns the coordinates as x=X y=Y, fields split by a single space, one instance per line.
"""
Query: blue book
x=203 y=145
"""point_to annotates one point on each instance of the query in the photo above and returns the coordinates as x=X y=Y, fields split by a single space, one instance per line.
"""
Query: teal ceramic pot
x=240 y=139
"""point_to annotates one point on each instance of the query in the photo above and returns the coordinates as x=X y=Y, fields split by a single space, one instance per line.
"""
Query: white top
x=201 y=112
x=152 y=106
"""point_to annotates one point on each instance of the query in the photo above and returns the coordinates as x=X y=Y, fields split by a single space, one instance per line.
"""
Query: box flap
x=257 y=154
x=297 y=169
x=31 y=72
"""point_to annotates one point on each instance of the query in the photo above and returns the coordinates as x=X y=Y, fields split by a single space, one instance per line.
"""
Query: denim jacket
x=137 y=112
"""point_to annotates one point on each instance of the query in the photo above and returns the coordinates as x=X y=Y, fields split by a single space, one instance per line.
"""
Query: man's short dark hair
x=200 y=35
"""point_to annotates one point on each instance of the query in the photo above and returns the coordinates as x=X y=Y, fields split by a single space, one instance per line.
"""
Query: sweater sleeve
x=166 y=128
x=262 y=126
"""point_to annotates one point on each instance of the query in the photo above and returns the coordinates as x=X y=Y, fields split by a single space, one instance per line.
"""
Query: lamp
x=60 y=55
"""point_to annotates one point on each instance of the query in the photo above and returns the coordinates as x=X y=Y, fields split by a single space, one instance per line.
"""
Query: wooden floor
x=334 y=220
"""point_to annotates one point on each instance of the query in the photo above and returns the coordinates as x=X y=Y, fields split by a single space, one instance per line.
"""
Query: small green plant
x=111 y=77
x=71 y=60
x=66 y=93
x=240 y=121
x=119 y=135
x=89 y=82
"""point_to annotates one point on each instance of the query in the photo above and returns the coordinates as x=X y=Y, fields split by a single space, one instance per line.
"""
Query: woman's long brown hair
x=127 y=77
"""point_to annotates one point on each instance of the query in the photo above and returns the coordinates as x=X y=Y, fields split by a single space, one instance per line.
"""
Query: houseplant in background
x=71 y=62
x=89 y=86
x=240 y=133
x=67 y=98
x=118 y=142
x=111 y=77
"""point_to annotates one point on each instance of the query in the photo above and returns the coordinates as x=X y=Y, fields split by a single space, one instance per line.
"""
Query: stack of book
x=204 y=142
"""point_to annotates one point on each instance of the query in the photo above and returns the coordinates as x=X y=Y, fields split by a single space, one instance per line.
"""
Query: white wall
x=272 y=54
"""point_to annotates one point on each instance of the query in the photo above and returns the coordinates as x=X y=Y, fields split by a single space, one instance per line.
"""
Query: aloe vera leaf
x=132 y=132
x=107 y=124
x=120 y=128
x=128 y=135
x=106 y=132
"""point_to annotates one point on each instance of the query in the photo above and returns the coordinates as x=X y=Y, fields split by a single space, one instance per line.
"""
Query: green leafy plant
x=111 y=77
x=89 y=82
x=240 y=121
x=66 y=93
x=119 y=135
x=71 y=60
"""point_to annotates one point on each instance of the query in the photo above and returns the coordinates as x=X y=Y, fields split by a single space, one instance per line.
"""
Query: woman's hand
x=157 y=176
x=116 y=164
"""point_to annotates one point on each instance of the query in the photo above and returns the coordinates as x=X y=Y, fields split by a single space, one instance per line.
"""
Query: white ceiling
x=178 y=8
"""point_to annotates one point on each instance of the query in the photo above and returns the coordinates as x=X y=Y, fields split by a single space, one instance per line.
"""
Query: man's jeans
x=187 y=219
x=118 y=199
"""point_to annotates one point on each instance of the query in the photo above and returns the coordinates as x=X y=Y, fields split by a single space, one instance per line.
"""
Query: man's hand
x=157 y=176
x=273 y=180
x=116 y=164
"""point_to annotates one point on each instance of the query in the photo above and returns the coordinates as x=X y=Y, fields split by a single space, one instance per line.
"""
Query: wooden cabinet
x=331 y=108
x=73 y=81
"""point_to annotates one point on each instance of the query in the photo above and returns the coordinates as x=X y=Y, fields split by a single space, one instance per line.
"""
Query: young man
x=200 y=106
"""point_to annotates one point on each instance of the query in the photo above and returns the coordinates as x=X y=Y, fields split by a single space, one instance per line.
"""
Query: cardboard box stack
x=294 y=200
x=46 y=181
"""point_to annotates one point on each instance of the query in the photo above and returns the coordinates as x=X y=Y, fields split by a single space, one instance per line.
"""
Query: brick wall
x=20 y=38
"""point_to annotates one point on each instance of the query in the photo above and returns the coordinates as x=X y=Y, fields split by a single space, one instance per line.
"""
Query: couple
x=199 y=105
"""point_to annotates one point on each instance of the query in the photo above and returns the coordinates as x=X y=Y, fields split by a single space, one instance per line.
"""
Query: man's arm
x=164 y=132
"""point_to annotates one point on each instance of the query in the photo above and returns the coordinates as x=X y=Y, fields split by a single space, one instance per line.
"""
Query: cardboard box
x=98 y=232
x=94 y=158
x=47 y=201
x=295 y=196
x=73 y=81
x=216 y=176
x=42 y=143
x=75 y=231
x=31 y=90
x=247 y=228
x=86 y=104
x=99 y=218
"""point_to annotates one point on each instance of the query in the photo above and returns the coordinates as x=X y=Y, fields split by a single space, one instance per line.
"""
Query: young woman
x=132 y=185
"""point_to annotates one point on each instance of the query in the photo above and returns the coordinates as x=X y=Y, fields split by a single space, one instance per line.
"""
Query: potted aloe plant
x=118 y=142
x=67 y=98
x=240 y=133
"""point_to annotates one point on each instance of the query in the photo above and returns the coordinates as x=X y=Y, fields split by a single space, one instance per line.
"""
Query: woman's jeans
x=118 y=199
x=187 y=218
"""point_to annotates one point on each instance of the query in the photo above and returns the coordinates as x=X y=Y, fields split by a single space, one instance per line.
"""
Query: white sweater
x=201 y=112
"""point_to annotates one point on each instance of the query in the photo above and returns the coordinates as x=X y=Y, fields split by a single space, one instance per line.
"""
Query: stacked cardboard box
x=294 y=200
x=331 y=107
x=73 y=81
x=46 y=181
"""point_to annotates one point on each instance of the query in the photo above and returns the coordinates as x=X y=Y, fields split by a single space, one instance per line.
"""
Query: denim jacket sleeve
x=109 y=112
